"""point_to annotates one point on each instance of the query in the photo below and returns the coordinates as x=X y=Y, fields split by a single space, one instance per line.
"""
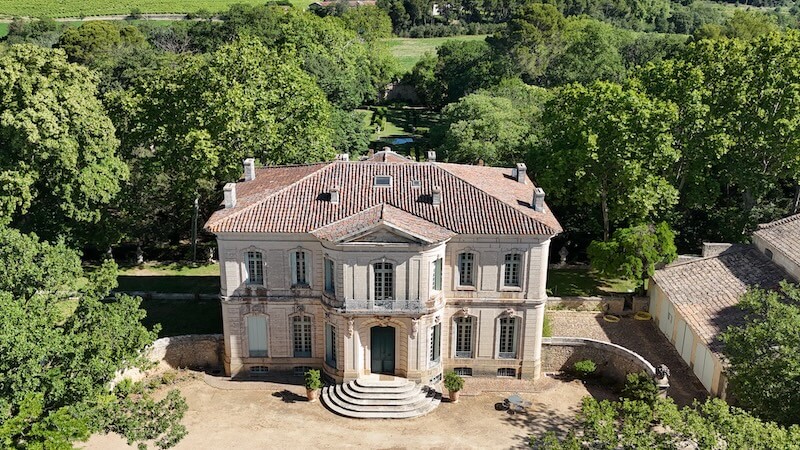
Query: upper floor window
x=330 y=286
x=466 y=269
x=255 y=268
x=257 y=334
x=302 y=336
x=512 y=269
x=437 y=275
x=384 y=281
x=300 y=264
x=464 y=334
x=508 y=337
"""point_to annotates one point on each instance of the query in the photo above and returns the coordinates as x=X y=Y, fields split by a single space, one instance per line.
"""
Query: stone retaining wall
x=613 y=361
x=614 y=305
x=196 y=351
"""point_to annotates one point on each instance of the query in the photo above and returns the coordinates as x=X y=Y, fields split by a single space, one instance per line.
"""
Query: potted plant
x=454 y=383
x=313 y=382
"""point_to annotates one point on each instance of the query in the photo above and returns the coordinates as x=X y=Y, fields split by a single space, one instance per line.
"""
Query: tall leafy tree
x=764 y=370
x=609 y=148
x=59 y=165
x=61 y=345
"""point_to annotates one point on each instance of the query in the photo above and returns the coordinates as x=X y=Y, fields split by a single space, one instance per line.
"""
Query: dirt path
x=250 y=419
x=643 y=337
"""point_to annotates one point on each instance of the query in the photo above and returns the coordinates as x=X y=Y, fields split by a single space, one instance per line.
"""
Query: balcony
x=385 y=306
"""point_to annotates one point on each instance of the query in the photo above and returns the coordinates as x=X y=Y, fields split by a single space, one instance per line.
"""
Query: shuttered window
x=257 y=336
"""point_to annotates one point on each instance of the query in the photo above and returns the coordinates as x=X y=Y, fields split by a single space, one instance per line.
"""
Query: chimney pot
x=431 y=156
x=249 y=169
x=437 y=196
x=229 y=194
x=519 y=172
x=538 y=199
x=335 y=195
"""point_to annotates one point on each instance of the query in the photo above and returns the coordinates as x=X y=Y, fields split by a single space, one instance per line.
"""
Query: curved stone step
x=417 y=396
x=358 y=385
x=425 y=408
x=376 y=394
x=344 y=404
x=376 y=381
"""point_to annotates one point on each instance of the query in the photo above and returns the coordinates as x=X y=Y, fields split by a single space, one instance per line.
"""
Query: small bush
x=640 y=386
x=453 y=382
x=169 y=377
x=135 y=14
x=312 y=379
x=585 y=368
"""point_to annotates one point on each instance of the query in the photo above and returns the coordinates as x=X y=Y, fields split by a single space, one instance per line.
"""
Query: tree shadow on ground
x=288 y=396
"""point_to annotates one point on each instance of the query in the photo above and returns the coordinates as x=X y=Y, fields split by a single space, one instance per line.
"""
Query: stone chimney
x=386 y=149
x=436 y=196
x=229 y=192
x=335 y=195
x=249 y=169
x=343 y=157
x=520 y=171
x=431 y=156
x=371 y=153
x=538 y=199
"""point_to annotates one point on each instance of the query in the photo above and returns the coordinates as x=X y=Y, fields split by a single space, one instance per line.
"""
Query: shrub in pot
x=454 y=383
x=313 y=382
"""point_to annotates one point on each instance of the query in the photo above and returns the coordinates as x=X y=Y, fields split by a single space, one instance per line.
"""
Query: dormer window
x=415 y=183
x=382 y=181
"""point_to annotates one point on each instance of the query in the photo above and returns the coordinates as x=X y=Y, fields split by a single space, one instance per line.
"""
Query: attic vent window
x=383 y=180
x=415 y=183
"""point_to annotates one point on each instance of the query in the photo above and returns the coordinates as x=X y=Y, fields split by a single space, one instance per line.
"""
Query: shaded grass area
x=175 y=284
x=582 y=282
x=171 y=268
x=81 y=8
x=410 y=50
x=178 y=317
x=3 y=29
x=420 y=124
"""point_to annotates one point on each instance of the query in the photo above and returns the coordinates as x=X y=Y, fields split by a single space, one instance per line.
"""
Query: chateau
x=383 y=266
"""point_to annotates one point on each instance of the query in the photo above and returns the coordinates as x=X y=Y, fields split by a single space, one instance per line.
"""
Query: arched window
x=511 y=270
x=254 y=261
x=301 y=326
x=384 y=280
x=257 y=336
x=466 y=269
x=465 y=332
x=507 y=339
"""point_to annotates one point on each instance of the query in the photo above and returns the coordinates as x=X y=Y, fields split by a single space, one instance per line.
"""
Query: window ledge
x=466 y=288
x=510 y=289
x=301 y=286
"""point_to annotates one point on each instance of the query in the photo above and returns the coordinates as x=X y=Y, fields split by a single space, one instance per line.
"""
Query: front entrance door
x=382 y=344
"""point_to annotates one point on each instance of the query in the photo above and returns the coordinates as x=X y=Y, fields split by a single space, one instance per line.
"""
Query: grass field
x=579 y=282
x=408 y=51
x=80 y=8
x=170 y=278
x=179 y=317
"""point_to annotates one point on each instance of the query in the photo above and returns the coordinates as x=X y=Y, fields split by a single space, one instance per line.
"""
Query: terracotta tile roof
x=296 y=199
x=784 y=235
x=392 y=157
x=706 y=290
x=387 y=215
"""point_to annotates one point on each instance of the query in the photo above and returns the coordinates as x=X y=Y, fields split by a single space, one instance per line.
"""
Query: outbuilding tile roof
x=296 y=199
x=705 y=291
x=784 y=235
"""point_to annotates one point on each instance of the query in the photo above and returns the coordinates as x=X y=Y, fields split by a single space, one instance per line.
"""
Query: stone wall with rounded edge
x=195 y=351
x=612 y=360
x=610 y=304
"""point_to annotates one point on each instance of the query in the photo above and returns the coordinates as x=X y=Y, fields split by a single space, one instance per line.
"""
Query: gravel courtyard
x=258 y=415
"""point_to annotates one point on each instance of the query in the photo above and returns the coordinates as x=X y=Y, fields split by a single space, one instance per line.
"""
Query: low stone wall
x=614 y=305
x=613 y=361
x=196 y=351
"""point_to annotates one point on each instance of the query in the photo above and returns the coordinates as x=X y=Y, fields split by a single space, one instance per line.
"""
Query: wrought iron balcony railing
x=384 y=306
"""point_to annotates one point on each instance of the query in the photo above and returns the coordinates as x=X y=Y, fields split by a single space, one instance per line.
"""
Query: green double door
x=382 y=343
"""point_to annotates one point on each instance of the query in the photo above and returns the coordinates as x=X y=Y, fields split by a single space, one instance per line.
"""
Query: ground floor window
x=508 y=337
x=464 y=337
x=257 y=336
x=436 y=339
x=507 y=372
x=302 y=336
x=330 y=345
x=463 y=371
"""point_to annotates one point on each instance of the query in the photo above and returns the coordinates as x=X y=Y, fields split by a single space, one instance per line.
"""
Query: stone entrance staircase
x=380 y=397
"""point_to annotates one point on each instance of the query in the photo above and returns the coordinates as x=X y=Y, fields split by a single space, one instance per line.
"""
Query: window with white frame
x=466 y=269
x=257 y=336
x=330 y=345
x=436 y=342
x=384 y=280
x=300 y=265
x=464 y=336
x=508 y=337
x=437 y=275
x=330 y=284
x=512 y=269
x=255 y=268
x=302 y=336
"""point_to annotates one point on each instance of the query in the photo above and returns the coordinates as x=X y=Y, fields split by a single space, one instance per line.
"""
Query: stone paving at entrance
x=642 y=337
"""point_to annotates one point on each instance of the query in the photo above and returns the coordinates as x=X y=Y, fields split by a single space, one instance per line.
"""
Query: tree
x=61 y=345
x=96 y=40
x=609 y=148
x=370 y=22
x=762 y=351
x=590 y=52
x=59 y=167
x=633 y=253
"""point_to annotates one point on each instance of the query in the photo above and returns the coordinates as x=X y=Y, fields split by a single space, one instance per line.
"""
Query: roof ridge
x=272 y=194
x=496 y=198
x=782 y=221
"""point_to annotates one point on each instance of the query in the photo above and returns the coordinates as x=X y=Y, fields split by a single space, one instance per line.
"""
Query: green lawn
x=578 y=282
x=80 y=8
x=170 y=278
x=408 y=50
